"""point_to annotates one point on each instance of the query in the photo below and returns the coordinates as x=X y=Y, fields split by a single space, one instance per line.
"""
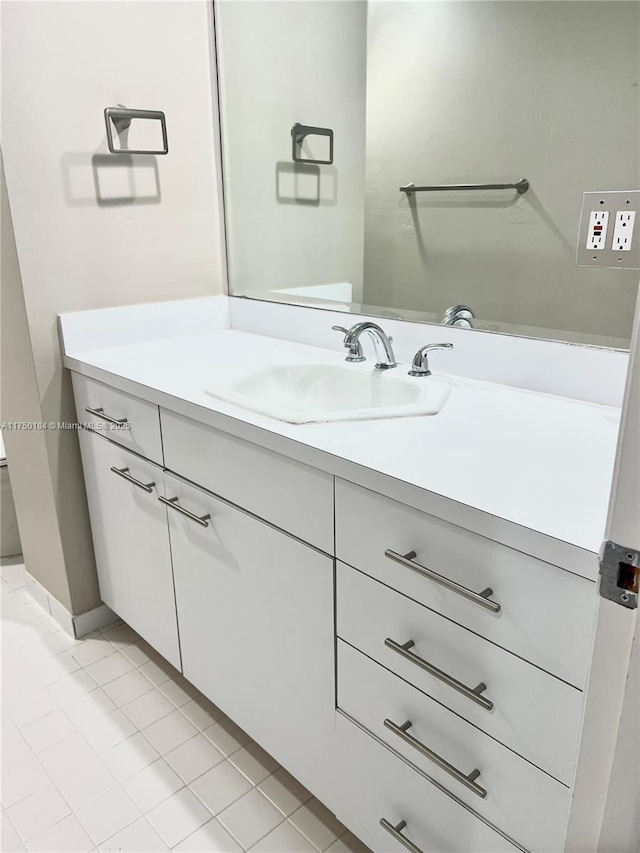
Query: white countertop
x=496 y=456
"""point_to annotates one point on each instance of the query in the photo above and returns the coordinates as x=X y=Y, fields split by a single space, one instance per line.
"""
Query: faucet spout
x=382 y=344
x=458 y=315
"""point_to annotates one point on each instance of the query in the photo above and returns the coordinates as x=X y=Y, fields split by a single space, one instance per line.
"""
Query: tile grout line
x=38 y=645
x=41 y=765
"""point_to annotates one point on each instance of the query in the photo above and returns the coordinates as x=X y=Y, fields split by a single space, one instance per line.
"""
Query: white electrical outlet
x=609 y=231
x=597 y=230
x=623 y=230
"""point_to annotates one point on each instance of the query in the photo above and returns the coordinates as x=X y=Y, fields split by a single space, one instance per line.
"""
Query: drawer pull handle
x=396 y=831
x=467 y=780
x=124 y=473
x=100 y=413
x=475 y=693
x=203 y=520
x=481 y=598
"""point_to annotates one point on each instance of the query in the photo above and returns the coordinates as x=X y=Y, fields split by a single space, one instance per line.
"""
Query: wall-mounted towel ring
x=298 y=134
x=119 y=118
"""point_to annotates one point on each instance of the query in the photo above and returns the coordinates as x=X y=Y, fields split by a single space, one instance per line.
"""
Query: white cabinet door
x=293 y=496
x=255 y=611
x=131 y=540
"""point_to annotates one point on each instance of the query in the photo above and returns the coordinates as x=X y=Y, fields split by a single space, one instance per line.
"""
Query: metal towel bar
x=521 y=185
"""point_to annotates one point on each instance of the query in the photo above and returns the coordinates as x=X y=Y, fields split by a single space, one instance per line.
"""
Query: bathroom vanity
x=401 y=611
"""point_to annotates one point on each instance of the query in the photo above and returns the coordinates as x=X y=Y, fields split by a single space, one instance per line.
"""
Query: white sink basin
x=304 y=393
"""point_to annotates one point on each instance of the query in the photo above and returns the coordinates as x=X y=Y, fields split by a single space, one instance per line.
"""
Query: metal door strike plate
x=620 y=574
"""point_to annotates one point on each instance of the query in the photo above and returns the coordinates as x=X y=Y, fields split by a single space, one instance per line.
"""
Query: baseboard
x=76 y=626
x=85 y=623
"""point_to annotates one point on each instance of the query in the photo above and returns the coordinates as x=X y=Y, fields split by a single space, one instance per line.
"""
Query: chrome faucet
x=458 y=315
x=382 y=344
x=420 y=364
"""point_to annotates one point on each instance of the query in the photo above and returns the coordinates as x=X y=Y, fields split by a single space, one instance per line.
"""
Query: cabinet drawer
x=100 y=404
x=532 y=712
x=374 y=784
x=131 y=540
x=255 y=611
x=517 y=793
x=286 y=493
x=546 y=614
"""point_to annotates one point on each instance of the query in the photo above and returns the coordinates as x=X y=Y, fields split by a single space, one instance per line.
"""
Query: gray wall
x=491 y=91
x=93 y=230
x=27 y=449
x=282 y=63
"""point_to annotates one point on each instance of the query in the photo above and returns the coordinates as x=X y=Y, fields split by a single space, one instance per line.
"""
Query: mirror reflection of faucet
x=458 y=315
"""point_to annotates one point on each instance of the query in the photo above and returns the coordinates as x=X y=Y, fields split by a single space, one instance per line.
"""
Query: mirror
x=434 y=92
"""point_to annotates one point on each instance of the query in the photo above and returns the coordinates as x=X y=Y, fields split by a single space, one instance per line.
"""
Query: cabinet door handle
x=100 y=413
x=481 y=598
x=467 y=780
x=396 y=831
x=203 y=520
x=124 y=473
x=475 y=693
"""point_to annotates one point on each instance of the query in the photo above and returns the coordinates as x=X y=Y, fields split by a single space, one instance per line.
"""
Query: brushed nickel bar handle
x=475 y=693
x=396 y=832
x=481 y=598
x=202 y=520
x=124 y=473
x=100 y=413
x=468 y=780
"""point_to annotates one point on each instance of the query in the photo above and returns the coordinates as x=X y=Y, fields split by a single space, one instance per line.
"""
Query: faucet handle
x=355 y=349
x=420 y=364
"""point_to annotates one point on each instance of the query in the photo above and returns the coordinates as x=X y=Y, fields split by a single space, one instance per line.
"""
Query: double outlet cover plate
x=609 y=233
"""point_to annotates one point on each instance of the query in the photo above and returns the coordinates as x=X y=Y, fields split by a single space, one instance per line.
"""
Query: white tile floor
x=106 y=747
